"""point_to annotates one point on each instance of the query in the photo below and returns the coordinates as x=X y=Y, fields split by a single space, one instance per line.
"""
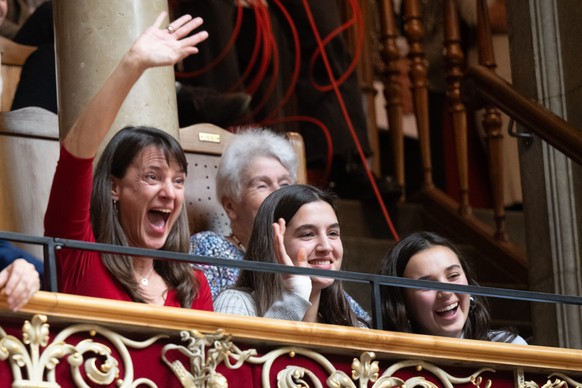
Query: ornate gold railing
x=69 y=340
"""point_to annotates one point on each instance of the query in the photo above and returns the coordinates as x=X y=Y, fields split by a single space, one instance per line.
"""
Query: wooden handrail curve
x=480 y=86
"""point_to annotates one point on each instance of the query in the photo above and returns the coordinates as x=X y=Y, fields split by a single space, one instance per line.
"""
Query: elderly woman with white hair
x=257 y=162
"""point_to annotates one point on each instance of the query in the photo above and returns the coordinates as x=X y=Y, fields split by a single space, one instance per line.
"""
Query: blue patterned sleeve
x=357 y=309
x=210 y=244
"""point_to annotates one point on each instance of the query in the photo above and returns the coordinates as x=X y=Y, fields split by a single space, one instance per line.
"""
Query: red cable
x=296 y=66
x=263 y=27
x=354 y=21
x=245 y=74
x=348 y=120
x=270 y=117
x=312 y=120
x=223 y=53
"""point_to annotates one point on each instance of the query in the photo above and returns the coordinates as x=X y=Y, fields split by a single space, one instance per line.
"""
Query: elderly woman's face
x=263 y=176
x=150 y=198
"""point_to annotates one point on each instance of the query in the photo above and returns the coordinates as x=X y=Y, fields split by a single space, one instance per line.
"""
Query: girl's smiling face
x=315 y=228
x=437 y=312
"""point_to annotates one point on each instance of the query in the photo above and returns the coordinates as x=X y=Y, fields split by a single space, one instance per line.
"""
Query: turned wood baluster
x=492 y=122
x=392 y=87
x=366 y=76
x=454 y=60
x=365 y=70
x=414 y=31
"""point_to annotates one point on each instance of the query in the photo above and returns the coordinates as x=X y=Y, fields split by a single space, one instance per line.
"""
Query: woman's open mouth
x=158 y=218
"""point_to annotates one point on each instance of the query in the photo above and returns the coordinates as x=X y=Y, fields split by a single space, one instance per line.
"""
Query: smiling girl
x=296 y=225
x=428 y=256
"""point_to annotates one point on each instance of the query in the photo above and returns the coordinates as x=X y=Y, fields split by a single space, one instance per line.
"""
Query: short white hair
x=243 y=149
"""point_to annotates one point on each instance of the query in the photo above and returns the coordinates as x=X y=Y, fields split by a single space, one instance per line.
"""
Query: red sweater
x=67 y=216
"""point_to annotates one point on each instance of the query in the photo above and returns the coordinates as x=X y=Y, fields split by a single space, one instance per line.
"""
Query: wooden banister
x=482 y=86
x=492 y=122
x=454 y=62
x=415 y=32
x=392 y=87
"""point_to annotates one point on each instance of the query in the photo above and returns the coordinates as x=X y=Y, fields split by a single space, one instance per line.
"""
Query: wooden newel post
x=90 y=38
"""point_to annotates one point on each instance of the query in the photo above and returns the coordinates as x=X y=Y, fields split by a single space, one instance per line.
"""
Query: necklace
x=145 y=280
x=238 y=243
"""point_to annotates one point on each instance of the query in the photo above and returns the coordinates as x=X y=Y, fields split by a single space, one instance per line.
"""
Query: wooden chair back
x=204 y=145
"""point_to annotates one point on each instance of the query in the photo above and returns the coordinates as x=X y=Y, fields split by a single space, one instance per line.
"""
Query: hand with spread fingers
x=299 y=284
x=19 y=281
x=158 y=46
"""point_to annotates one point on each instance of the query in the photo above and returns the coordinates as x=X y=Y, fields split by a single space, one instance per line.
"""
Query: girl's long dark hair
x=114 y=161
x=267 y=286
x=394 y=313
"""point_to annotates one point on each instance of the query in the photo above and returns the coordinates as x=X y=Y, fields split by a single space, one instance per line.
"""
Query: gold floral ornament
x=205 y=352
x=365 y=370
x=100 y=367
x=560 y=381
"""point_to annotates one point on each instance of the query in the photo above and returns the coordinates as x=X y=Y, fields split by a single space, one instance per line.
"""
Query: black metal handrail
x=51 y=245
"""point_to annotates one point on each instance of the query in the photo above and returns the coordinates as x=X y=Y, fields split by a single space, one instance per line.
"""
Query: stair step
x=362 y=254
x=514 y=224
x=364 y=219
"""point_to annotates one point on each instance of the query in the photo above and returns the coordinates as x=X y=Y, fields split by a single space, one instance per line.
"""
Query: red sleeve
x=68 y=210
x=203 y=300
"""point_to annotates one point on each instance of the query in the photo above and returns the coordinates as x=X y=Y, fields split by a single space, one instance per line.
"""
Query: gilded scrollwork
x=205 y=352
x=366 y=370
x=560 y=381
x=100 y=361
x=87 y=359
x=446 y=379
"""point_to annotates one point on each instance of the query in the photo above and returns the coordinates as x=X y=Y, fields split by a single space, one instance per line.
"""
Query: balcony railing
x=103 y=341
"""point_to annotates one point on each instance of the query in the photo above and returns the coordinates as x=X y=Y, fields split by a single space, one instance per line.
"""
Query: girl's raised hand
x=299 y=284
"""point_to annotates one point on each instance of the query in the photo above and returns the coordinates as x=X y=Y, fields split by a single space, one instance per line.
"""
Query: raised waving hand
x=158 y=46
x=155 y=47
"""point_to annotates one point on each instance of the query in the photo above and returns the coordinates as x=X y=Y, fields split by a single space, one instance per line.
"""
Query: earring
x=116 y=206
x=472 y=303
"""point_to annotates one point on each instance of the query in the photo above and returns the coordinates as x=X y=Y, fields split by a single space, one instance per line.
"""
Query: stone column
x=545 y=60
x=91 y=37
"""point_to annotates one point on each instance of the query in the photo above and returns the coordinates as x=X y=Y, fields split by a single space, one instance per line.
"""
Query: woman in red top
x=136 y=196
